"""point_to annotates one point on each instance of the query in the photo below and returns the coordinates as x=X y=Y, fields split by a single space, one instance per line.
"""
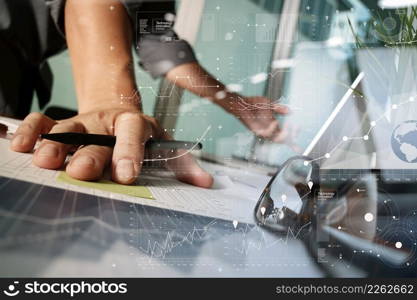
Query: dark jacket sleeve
x=158 y=46
x=160 y=54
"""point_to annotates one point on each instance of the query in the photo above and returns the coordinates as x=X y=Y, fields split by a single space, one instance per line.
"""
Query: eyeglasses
x=285 y=200
x=345 y=215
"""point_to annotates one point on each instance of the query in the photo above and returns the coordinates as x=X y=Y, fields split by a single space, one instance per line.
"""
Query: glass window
x=235 y=43
x=335 y=42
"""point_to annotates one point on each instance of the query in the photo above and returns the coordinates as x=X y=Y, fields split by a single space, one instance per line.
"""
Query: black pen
x=74 y=138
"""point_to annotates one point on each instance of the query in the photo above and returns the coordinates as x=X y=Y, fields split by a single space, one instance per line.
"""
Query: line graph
x=159 y=249
x=336 y=112
x=333 y=115
x=258 y=106
x=156 y=247
x=365 y=137
x=159 y=239
x=185 y=152
x=261 y=240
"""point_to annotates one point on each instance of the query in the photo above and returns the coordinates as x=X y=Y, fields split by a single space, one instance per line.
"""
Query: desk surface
x=45 y=231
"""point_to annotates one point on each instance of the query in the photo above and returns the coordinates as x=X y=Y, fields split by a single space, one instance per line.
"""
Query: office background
x=255 y=47
x=303 y=53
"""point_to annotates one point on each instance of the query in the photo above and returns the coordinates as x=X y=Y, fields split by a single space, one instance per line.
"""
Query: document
x=107 y=185
x=232 y=197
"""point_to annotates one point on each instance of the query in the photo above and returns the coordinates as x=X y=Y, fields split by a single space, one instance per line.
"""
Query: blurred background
x=303 y=53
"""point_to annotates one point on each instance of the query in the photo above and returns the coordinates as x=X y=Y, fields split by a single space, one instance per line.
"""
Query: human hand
x=132 y=129
x=258 y=115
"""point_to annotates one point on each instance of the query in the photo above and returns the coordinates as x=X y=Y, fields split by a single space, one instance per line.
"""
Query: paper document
x=233 y=196
x=107 y=185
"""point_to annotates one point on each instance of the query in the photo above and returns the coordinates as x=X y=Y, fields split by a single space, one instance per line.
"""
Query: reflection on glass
x=346 y=213
x=282 y=202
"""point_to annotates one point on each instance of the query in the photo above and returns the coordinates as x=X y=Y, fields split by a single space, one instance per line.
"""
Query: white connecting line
x=345 y=98
x=186 y=152
x=264 y=242
x=258 y=106
x=159 y=249
x=135 y=93
x=333 y=114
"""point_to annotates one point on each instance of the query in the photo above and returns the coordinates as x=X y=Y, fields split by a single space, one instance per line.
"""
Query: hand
x=132 y=129
x=258 y=114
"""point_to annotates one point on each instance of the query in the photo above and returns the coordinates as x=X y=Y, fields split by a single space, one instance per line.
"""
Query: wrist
x=131 y=102
x=108 y=106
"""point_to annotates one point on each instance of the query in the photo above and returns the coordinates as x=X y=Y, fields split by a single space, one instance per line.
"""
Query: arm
x=99 y=42
x=160 y=56
x=98 y=36
x=256 y=113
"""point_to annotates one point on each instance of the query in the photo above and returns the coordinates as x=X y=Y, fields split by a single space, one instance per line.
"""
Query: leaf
x=358 y=41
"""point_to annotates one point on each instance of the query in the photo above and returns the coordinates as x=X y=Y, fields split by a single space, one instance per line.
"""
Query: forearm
x=99 y=41
x=197 y=80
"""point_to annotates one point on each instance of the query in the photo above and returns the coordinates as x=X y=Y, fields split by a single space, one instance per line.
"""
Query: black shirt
x=33 y=30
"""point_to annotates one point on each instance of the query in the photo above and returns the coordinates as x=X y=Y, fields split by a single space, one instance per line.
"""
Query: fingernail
x=48 y=150
x=18 y=141
x=125 y=169
x=82 y=162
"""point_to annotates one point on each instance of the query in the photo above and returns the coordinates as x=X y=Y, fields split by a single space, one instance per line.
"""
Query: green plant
x=394 y=29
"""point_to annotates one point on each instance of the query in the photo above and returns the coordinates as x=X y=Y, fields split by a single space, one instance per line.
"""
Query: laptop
x=374 y=124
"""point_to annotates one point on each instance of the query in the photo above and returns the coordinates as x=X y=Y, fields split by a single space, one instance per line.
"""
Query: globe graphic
x=404 y=141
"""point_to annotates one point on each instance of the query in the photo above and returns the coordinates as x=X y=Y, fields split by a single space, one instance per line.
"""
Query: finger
x=275 y=133
x=89 y=162
x=270 y=130
x=280 y=136
x=50 y=154
x=29 y=130
x=132 y=131
x=281 y=109
x=186 y=168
